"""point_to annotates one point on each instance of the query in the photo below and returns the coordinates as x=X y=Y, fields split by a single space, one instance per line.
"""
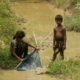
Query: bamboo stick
x=46 y=37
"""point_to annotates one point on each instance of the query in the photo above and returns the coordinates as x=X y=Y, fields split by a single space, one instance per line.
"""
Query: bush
x=72 y=22
x=7 y=23
x=68 y=22
x=6 y=60
x=73 y=3
x=7 y=30
x=68 y=68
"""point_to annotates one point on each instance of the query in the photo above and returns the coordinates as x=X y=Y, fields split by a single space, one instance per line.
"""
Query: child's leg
x=62 y=50
x=55 y=54
x=62 y=54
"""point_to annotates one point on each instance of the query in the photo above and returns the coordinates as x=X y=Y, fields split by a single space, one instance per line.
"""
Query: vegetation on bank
x=7 y=30
x=7 y=23
x=60 y=3
x=8 y=27
x=6 y=60
x=70 y=69
x=72 y=22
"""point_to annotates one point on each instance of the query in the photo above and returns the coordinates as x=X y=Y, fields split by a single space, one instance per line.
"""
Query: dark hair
x=59 y=17
x=14 y=37
x=19 y=34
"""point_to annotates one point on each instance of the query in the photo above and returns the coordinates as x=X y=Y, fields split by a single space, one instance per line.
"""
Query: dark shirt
x=20 y=48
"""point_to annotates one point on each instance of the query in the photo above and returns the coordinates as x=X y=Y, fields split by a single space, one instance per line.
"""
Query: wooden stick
x=46 y=37
x=35 y=38
x=18 y=65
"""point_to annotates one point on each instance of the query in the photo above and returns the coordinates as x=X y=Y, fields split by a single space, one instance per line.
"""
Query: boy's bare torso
x=59 y=32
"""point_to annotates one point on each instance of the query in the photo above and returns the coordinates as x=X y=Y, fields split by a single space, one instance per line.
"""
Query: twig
x=35 y=38
x=18 y=65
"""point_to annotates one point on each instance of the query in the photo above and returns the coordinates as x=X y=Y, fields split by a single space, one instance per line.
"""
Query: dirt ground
x=39 y=17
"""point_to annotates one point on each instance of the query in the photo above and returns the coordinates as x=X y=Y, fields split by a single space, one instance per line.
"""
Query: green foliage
x=68 y=22
x=7 y=23
x=6 y=60
x=7 y=30
x=72 y=22
x=68 y=68
x=73 y=3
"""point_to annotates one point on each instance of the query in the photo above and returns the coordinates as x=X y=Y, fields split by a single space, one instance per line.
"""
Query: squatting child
x=18 y=47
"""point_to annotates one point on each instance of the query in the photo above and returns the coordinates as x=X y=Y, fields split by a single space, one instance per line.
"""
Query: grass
x=6 y=60
x=7 y=30
x=68 y=68
x=7 y=22
x=72 y=22
x=73 y=3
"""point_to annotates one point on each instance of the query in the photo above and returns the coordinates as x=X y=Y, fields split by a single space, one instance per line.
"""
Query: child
x=59 y=38
x=19 y=48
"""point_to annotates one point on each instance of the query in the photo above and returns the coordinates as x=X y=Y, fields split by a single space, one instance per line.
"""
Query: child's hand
x=22 y=60
x=37 y=48
x=64 y=47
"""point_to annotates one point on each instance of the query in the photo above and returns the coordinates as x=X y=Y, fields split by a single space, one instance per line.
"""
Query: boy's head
x=20 y=35
x=58 y=19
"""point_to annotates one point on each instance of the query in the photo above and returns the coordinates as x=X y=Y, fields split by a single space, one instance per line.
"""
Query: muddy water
x=23 y=75
x=39 y=18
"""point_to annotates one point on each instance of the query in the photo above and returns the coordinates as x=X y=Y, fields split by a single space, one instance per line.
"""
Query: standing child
x=19 y=48
x=59 y=38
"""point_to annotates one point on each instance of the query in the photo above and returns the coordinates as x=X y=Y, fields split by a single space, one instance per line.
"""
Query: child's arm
x=54 y=38
x=32 y=46
x=13 y=47
x=64 y=38
x=14 y=54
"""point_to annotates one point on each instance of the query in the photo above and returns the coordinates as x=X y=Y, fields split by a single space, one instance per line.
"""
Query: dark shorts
x=59 y=43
